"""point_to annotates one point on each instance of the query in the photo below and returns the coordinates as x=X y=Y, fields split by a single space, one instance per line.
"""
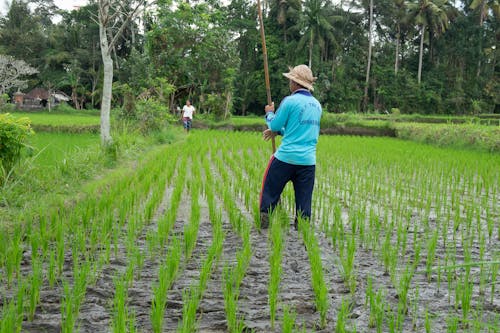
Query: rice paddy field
x=404 y=237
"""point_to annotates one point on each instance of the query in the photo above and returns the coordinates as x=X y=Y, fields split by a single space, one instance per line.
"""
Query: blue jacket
x=297 y=119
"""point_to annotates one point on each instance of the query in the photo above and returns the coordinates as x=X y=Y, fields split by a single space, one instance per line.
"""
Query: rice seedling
x=428 y=322
x=231 y=295
x=494 y=273
x=190 y=298
x=35 y=281
x=276 y=253
x=431 y=253
x=376 y=306
x=343 y=316
x=318 y=281
x=414 y=308
x=465 y=296
x=120 y=320
x=13 y=255
x=288 y=321
x=191 y=229
x=347 y=254
x=166 y=276
x=73 y=296
x=453 y=324
x=10 y=320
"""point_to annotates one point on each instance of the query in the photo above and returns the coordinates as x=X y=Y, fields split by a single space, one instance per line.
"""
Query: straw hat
x=302 y=75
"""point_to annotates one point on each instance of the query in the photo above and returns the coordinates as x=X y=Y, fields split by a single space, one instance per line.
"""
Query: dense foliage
x=13 y=134
x=428 y=56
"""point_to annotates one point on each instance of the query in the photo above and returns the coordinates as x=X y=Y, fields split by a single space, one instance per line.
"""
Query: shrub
x=152 y=116
x=214 y=106
x=5 y=106
x=64 y=107
x=13 y=133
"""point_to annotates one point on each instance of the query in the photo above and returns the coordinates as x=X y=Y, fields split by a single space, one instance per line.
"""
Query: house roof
x=38 y=93
x=41 y=93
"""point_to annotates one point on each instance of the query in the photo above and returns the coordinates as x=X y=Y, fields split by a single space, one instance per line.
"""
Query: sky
x=63 y=4
x=69 y=4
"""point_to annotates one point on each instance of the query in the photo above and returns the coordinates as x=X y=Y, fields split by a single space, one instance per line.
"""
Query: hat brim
x=298 y=80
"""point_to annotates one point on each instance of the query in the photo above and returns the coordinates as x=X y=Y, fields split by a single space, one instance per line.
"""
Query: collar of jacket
x=302 y=92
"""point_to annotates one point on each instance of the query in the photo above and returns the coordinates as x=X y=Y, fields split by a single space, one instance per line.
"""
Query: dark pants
x=187 y=123
x=277 y=174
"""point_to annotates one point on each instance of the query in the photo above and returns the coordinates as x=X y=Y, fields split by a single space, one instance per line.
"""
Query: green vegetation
x=211 y=56
x=390 y=217
x=13 y=135
x=55 y=119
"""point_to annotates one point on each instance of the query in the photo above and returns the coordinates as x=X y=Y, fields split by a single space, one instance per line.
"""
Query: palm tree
x=433 y=18
x=285 y=9
x=315 y=25
x=484 y=7
x=400 y=13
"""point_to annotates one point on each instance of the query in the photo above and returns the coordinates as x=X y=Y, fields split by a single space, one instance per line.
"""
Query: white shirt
x=188 y=111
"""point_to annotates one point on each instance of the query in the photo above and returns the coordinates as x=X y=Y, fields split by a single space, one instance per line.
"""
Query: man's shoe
x=264 y=220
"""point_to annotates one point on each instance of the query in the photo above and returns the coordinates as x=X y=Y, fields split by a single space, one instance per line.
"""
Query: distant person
x=187 y=115
x=298 y=120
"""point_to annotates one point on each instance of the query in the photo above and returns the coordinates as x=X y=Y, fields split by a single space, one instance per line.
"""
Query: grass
x=53 y=148
x=58 y=119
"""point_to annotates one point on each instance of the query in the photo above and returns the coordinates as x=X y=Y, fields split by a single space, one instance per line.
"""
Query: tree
x=433 y=17
x=484 y=7
x=112 y=14
x=315 y=25
x=12 y=73
x=22 y=34
x=192 y=46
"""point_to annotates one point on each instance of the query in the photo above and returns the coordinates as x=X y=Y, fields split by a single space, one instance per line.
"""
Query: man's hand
x=268 y=134
x=269 y=108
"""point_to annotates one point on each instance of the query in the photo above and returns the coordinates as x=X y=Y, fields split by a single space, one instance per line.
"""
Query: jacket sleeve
x=276 y=122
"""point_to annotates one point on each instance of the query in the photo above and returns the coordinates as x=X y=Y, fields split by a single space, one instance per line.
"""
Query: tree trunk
x=310 y=50
x=398 y=41
x=368 y=65
x=422 y=33
x=74 y=97
x=482 y=15
x=106 y=88
x=228 y=101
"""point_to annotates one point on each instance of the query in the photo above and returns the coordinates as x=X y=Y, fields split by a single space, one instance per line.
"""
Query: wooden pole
x=266 y=68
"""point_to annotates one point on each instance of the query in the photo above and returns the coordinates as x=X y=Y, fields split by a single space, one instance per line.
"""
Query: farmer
x=187 y=115
x=297 y=119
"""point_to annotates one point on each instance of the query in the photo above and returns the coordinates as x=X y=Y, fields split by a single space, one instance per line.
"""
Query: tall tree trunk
x=482 y=15
x=311 y=49
x=107 y=88
x=421 y=54
x=368 y=65
x=74 y=97
x=398 y=41
x=228 y=101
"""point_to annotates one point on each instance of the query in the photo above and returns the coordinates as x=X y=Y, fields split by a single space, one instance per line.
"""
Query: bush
x=5 y=106
x=395 y=112
x=214 y=106
x=152 y=116
x=13 y=134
